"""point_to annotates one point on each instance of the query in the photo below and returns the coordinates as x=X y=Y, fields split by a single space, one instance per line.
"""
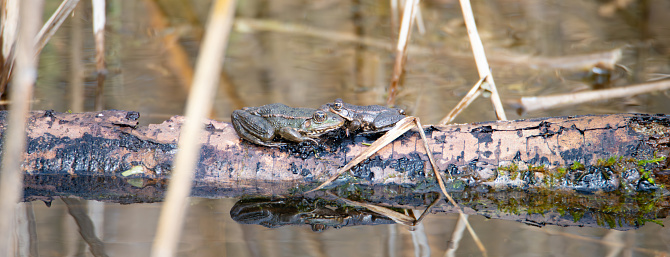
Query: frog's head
x=322 y=122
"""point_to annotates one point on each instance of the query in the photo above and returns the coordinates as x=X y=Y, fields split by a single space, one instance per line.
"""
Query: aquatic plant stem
x=480 y=57
x=401 y=48
x=199 y=103
x=11 y=176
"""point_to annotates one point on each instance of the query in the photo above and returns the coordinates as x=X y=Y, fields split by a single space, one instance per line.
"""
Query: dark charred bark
x=613 y=160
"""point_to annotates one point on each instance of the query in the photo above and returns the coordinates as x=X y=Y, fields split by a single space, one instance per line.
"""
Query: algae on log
x=582 y=156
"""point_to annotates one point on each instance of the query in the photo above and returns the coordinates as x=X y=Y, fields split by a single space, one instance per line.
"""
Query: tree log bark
x=555 y=170
x=522 y=153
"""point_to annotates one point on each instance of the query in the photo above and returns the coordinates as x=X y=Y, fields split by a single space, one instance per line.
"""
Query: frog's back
x=281 y=115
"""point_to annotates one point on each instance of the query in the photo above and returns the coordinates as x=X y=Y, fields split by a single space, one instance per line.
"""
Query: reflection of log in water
x=579 y=168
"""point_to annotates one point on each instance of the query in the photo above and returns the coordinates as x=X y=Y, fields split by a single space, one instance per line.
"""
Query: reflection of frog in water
x=260 y=125
x=369 y=119
x=320 y=214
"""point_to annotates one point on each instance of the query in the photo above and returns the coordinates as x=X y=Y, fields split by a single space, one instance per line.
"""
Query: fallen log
x=107 y=156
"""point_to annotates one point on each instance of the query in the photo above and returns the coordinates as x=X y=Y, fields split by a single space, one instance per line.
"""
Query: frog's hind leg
x=293 y=135
x=253 y=128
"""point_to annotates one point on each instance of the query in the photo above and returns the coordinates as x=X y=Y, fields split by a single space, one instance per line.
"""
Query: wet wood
x=107 y=143
x=108 y=156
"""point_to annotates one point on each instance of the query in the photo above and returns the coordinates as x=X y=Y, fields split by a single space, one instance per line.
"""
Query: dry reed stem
x=480 y=57
x=76 y=78
x=475 y=92
x=535 y=103
x=9 y=19
x=401 y=48
x=394 y=17
x=52 y=25
x=11 y=176
x=99 y=33
x=199 y=104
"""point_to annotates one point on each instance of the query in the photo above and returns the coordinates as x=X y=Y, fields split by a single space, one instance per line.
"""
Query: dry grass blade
x=400 y=128
x=443 y=187
x=480 y=57
x=199 y=103
x=11 y=177
x=52 y=25
x=529 y=104
x=475 y=92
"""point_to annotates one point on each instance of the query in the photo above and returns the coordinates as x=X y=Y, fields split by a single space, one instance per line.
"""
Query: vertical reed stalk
x=25 y=73
x=199 y=103
x=480 y=57
x=99 y=19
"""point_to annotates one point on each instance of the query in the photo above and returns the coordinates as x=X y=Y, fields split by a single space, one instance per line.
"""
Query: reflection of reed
x=86 y=228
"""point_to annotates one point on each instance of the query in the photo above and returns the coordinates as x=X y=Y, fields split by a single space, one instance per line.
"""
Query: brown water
x=269 y=64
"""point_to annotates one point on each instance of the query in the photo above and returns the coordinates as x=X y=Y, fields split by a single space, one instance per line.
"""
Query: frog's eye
x=319 y=116
x=401 y=111
x=337 y=106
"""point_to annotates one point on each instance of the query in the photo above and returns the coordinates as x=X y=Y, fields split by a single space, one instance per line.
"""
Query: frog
x=262 y=125
x=369 y=119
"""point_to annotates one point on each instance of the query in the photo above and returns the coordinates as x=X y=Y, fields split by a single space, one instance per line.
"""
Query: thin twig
x=11 y=177
x=199 y=103
x=480 y=57
x=475 y=92
x=52 y=25
x=535 y=103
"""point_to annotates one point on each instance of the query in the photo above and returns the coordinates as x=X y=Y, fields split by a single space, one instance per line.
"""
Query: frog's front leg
x=293 y=135
x=253 y=128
